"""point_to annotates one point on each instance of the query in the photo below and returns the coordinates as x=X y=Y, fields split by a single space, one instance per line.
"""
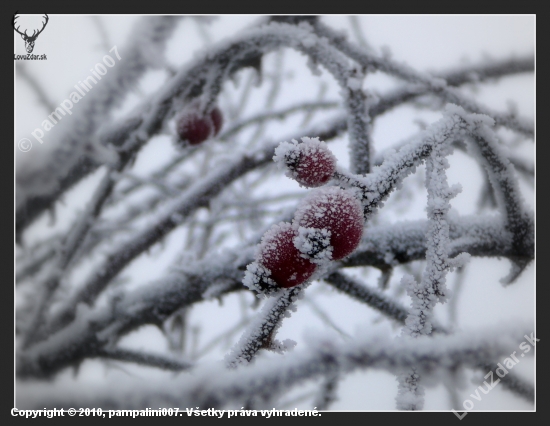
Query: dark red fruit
x=194 y=128
x=337 y=211
x=278 y=254
x=217 y=119
x=310 y=163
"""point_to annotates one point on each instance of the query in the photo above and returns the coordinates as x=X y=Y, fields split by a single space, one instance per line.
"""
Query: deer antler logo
x=29 y=39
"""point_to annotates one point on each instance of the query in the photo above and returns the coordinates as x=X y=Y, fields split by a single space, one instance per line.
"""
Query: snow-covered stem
x=227 y=59
x=36 y=204
x=399 y=243
x=410 y=392
x=165 y=188
x=149 y=360
x=373 y=62
x=512 y=382
x=377 y=186
x=526 y=168
x=34 y=260
x=389 y=101
x=327 y=393
x=160 y=174
x=369 y=296
x=75 y=237
x=262 y=330
x=518 y=221
x=432 y=288
x=373 y=298
x=276 y=80
x=279 y=115
x=120 y=224
x=256 y=42
x=359 y=129
x=475 y=73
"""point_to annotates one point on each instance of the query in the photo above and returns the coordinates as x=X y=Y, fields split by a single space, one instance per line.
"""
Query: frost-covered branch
x=431 y=289
x=215 y=386
x=512 y=382
x=382 y=352
x=196 y=196
x=281 y=114
x=371 y=297
x=42 y=96
x=262 y=330
x=69 y=247
x=150 y=360
x=94 y=328
x=476 y=74
x=206 y=74
x=518 y=221
x=327 y=394
x=436 y=85
x=399 y=243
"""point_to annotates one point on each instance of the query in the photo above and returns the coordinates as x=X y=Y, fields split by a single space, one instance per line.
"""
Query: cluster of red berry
x=194 y=127
x=328 y=224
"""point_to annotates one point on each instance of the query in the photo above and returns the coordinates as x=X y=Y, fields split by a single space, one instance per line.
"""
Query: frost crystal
x=314 y=244
x=333 y=210
x=257 y=278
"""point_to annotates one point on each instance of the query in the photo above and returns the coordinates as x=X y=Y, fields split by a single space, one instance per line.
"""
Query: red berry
x=278 y=254
x=336 y=210
x=310 y=163
x=194 y=128
x=217 y=119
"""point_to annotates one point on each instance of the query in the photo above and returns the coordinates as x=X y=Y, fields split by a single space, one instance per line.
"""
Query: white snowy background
x=74 y=44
